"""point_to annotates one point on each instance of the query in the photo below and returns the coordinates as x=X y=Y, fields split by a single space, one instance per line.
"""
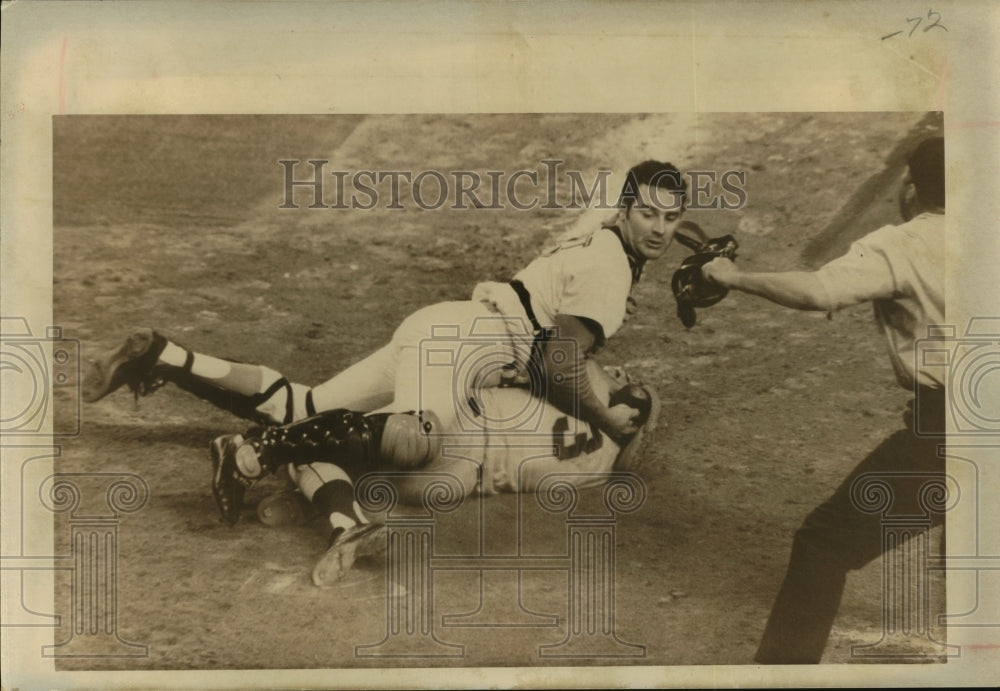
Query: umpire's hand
x=721 y=271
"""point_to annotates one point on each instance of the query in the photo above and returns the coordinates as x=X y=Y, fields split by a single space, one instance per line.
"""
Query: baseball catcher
x=551 y=318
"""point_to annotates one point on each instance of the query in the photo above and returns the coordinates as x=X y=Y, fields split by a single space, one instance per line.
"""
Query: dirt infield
x=174 y=222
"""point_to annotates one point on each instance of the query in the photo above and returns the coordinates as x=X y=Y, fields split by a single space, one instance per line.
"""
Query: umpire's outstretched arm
x=800 y=290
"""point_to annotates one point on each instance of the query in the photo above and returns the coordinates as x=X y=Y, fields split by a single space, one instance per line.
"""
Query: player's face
x=648 y=227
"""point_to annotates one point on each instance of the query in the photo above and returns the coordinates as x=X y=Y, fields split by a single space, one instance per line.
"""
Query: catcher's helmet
x=688 y=284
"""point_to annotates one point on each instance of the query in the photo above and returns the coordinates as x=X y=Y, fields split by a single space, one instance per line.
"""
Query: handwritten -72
x=916 y=21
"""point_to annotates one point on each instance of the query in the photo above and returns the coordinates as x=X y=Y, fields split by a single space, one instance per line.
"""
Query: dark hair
x=927 y=171
x=664 y=176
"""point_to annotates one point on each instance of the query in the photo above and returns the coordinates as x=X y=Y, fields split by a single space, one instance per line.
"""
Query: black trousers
x=839 y=536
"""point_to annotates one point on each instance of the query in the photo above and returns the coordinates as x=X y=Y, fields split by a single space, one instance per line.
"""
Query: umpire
x=900 y=269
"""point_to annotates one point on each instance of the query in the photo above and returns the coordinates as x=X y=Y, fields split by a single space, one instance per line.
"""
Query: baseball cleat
x=287 y=507
x=633 y=449
x=130 y=363
x=229 y=485
x=362 y=540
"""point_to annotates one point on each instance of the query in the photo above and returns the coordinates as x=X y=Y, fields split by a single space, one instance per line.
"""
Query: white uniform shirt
x=900 y=269
x=585 y=276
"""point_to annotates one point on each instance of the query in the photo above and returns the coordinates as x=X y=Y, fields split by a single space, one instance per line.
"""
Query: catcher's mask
x=689 y=286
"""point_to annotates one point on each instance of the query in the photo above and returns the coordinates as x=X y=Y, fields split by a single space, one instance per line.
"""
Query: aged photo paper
x=296 y=211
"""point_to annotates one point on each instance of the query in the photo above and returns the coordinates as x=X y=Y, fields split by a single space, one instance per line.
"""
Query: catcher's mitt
x=691 y=289
x=643 y=398
x=635 y=396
